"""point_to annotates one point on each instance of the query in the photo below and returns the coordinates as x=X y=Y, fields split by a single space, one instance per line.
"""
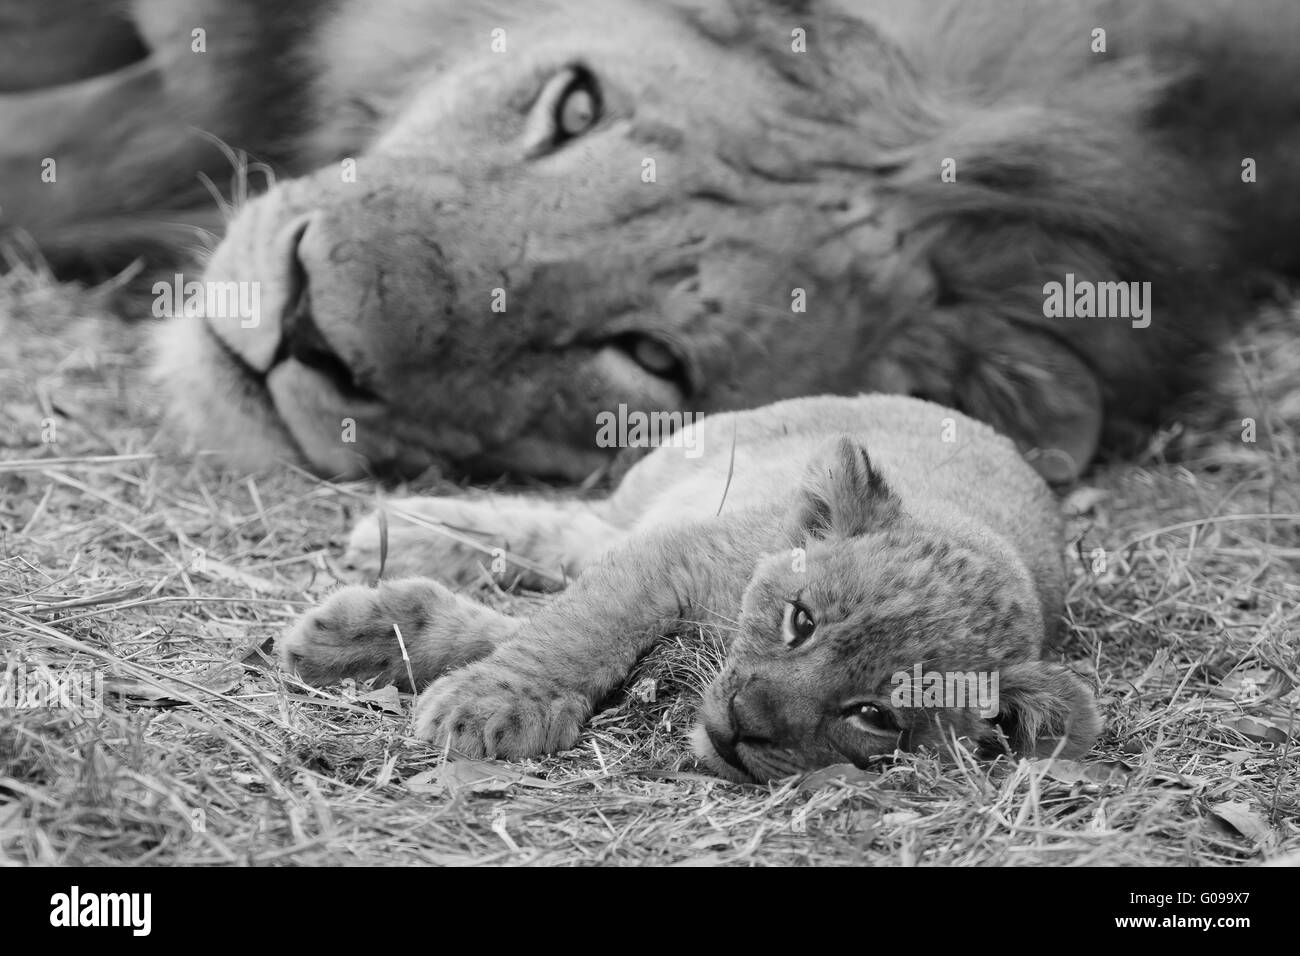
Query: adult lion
x=526 y=215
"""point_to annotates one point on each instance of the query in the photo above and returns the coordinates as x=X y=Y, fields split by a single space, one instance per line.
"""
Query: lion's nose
x=301 y=338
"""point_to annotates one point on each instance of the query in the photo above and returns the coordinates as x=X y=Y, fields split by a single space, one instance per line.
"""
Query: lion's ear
x=1046 y=399
x=1065 y=438
x=1045 y=710
x=844 y=495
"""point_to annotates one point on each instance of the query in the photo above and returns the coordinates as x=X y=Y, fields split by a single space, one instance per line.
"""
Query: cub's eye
x=578 y=107
x=871 y=717
x=797 y=625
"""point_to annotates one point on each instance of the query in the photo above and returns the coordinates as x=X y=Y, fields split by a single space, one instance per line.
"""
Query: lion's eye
x=578 y=107
x=797 y=625
x=871 y=717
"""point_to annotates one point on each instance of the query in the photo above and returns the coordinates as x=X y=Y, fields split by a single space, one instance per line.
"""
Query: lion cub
x=885 y=570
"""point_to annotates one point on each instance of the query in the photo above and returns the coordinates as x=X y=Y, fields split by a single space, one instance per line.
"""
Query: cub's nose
x=756 y=713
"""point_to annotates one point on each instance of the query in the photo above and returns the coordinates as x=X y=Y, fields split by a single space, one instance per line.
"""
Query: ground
x=123 y=554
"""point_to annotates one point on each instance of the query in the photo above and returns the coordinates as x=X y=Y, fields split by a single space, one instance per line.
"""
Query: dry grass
x=122 y=556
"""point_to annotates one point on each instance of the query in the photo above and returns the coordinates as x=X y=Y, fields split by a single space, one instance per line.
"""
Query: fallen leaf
x=473 y=777
x=426 y=781
x=833 y=822
x=1253 y=728
x=1074 y=771
x=385 y=698
x=1178 y=780
x=220 y=678
x=710 y=841
x=1254 y=685
x=836 y=773
x=1244 y=820
x=683 y=776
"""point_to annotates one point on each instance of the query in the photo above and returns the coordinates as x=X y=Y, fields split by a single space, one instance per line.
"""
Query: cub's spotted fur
x=849 y=543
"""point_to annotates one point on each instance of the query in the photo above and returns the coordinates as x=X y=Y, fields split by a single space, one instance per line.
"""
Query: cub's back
x=950 y=471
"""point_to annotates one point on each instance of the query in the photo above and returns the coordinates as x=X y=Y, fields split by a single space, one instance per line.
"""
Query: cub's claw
x=490 y=710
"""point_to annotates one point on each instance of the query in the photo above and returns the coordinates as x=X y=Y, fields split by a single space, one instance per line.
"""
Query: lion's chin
x=297 y=415
x=227 y=409
x=216 y=401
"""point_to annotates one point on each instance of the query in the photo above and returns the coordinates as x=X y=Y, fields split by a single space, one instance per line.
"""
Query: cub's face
x=878 y=634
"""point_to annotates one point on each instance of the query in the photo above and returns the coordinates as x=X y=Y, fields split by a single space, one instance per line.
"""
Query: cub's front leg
x=533 y=694
x=555 y=539
x=352 y=634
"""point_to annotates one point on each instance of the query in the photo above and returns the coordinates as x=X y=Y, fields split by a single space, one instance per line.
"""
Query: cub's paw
x=416 y=550
x=489 y=709
x=351 y=634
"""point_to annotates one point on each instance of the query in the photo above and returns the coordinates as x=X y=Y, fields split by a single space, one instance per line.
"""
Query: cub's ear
x=1040 y=705
x=844 y=495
